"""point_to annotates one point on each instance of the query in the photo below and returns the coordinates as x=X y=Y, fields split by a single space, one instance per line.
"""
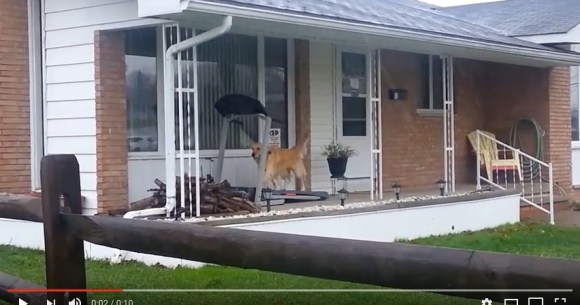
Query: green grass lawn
x=543 y=240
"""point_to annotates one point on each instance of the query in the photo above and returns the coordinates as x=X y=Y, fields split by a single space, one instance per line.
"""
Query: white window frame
x=576 y=143
x=339 y=50
x=430 y=111
x=213 y=153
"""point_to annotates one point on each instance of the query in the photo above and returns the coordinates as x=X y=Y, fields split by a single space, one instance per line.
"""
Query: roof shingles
x=522 y=17
x=407 y=14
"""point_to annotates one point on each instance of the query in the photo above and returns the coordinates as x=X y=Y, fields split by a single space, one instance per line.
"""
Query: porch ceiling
x=370 y=39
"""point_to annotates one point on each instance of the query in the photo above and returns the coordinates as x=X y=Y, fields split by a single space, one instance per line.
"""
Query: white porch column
x=448 y=124
x=375 y=126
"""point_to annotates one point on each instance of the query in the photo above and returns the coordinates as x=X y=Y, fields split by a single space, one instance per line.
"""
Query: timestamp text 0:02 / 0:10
x=112 y=302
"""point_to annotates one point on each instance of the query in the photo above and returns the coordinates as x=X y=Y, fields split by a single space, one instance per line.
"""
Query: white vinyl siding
x=322 y=111
x=69 y=77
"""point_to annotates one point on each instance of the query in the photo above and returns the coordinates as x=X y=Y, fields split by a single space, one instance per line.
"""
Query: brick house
x=89 y=81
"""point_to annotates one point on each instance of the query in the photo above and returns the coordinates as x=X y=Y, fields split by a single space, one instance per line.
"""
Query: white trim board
x=35 y=55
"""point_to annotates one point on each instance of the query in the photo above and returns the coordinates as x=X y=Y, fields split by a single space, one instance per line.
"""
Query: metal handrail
x=518 y=152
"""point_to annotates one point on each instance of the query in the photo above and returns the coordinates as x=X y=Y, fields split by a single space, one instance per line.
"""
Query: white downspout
x=170 y=156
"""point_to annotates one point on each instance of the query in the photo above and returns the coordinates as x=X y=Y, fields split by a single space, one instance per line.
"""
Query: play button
x=22 y=302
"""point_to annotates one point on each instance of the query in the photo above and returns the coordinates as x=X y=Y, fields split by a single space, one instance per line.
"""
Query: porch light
x=268 y=196
x=342 y=194
x=441 y=183
x=397 y=189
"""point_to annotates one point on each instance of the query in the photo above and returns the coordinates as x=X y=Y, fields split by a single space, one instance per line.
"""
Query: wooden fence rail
x=8 y=281
x=383 y=264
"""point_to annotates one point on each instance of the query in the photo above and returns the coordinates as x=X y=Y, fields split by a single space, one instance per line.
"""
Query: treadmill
x=233 y=106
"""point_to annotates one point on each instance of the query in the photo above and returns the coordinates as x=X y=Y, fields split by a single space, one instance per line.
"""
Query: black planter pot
x=337 y=166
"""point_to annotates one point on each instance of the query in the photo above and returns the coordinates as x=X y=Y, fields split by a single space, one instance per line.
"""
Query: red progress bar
x=32 y=290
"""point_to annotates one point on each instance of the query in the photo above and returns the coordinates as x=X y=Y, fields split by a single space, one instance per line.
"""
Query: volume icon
x=75 y=301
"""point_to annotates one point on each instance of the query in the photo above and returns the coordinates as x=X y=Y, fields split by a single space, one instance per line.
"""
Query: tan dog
x=282 y=162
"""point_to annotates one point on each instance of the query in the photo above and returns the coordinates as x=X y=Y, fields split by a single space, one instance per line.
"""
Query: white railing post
x=371 y=125
x=551 y=187
x=380 y=120
x=478 y=162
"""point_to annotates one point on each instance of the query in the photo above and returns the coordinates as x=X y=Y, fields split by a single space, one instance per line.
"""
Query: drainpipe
x=170 y=156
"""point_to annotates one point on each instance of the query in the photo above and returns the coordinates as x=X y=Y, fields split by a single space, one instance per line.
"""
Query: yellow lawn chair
x=489 y=155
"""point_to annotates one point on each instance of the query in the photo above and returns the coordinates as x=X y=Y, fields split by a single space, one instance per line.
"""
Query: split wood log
x=8 y=281
x=233 y=193
x=216 y=187
x=244 y=204
x=211 y=200
x=160 y=184
x=230 y=203
x=145 y=203
x=21 y=207
x=393 y=265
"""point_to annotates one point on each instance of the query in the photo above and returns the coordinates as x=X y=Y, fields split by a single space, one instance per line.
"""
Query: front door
x=353 y=115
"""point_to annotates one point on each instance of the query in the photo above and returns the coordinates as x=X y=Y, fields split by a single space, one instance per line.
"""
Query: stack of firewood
x=216 y=198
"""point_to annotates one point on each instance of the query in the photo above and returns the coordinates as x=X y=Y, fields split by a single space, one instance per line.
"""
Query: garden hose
x=532 y=170
x=529 y=169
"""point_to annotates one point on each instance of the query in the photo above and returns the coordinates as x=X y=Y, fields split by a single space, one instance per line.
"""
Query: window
x=230 y=64
x=574 y=102
x=354 y=94
x=141 y=89
x=432 y=71
x=431 y=101
x=227 y=64
x=276 y=74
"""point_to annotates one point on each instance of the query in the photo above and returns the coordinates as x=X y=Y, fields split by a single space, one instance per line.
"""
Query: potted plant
x=337 y=156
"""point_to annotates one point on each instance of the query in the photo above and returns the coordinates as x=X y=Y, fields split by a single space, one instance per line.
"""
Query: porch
x=412 y=104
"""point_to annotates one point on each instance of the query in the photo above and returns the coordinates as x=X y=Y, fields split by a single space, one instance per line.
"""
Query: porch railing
x=531 y=176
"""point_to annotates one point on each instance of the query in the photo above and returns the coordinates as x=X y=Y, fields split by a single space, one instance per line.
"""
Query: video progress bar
x=118 y=290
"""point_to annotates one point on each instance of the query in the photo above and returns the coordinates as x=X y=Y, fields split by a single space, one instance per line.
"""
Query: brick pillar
x=14 y=98
x=302 y=99
x=559 y=130
x=112 y=172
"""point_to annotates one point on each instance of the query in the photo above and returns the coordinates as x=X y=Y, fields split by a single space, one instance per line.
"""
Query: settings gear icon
x=486 y=301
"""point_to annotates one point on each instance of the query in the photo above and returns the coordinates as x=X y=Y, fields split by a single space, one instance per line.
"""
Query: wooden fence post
x=64 y=253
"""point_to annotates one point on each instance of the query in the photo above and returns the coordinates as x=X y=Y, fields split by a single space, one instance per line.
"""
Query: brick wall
x=517 y=92
x=559 y=150
x=14 y=98
x=302 y=97
x=413 y=144
x=469 y=103
x=112 y=171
